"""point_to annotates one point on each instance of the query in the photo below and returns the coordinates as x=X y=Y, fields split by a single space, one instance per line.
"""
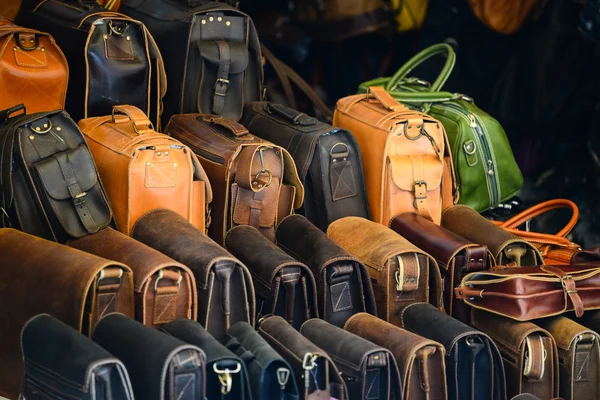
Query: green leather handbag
x=486 y=171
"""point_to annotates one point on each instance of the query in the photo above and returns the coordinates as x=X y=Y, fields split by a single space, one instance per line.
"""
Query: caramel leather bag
x=143 y=170
x=504 y=16
x=405 y=153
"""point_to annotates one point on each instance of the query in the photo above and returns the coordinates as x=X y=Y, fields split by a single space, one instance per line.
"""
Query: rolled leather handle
x=543 y=208
x=385 y=99
x=141 y=122
x=237 y=130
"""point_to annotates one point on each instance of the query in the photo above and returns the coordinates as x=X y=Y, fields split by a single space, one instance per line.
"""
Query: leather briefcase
x=328 y=160
x=161 y=367
x=49 y=185
x=529 y=353
x=343 y=284
x=61 y=363
x=143 y=170
x=506 y=247
x=578 y=356
x=270 y=375
x=226 y=376
x=455 y=255
x=164 y=289
x=420 y=360
x=33 y=69
x=45 y=277
x=254 y=181
x=312 y=367
x=283 y=286
x=225 y=290
x=474 y=367
x=401 y=273
x=370 y=371
x=405 y=154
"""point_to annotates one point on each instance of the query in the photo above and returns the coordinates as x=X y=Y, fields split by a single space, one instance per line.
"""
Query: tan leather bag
x=405 y=153
x=503 y=16
x=143 y=170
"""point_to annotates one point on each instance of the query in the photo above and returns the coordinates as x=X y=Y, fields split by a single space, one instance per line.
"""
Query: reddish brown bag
x=503 y=16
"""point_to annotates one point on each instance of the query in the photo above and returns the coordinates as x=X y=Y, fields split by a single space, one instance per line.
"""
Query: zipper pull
x=490 y=167
x=283 y=374
x=472 y=121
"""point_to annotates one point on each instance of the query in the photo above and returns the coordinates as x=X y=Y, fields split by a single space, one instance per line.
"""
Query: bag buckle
x=161 y=274
x=414 y=191
x=102 y=274
x=283 y=375
x=221 y=83
x=79 y=200
x=563 y=281
x=225 y=377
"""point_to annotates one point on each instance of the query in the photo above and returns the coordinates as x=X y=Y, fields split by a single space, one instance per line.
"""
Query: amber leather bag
x=284 y=286
x=455 y=256
x=529 y=353
x=401 y=273
x=164 y=289
x=504 y=16
x=406 y=157
x=45 y=277
x=343 y=284
x=254 y=181
x=33 y=69
x=143 y=170
x=225 y=290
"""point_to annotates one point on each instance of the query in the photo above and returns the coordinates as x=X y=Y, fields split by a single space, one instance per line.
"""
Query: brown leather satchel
x=33 y=69
x=401 y=273
x=165 y=290
x=406 y=156
x=421 y=361
x=40 y=276
x=504 y=16
x=143 y=170
x=255 y=182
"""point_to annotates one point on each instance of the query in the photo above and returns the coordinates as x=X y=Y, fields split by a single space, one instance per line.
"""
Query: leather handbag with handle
x=143 y=170
x=504 y=16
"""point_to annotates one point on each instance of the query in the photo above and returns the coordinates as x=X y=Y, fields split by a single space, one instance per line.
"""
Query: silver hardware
x=225 y=377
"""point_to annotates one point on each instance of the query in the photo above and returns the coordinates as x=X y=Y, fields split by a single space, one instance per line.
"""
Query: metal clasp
x=117 y=30
x=102 y=273
x=263 y=170
x=564 y=284
x=221 y=82
x=79 y=200
x=283 y=375
x=225 y=377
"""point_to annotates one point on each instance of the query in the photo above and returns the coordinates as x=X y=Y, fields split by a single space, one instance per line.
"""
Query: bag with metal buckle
x=284 y=286
x=254 y=181
x=225 y=290
x=48 y=180
x=143 y=170
x=45 y=277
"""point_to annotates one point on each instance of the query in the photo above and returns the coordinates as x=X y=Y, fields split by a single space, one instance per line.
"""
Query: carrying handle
x=237 y=130
x=296 y=117
x=141 y=123
x=379 y=93
x=5 y=114
x=543 y=208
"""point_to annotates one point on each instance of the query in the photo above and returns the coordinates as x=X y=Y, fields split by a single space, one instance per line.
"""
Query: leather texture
x=343 y=284
x=46 y=277
x=143 y=170
x=504 y=16
x=224 y=284
x=62 y=363
x=421 y=361
x=400 y=272
x=283 y=285
x=327 y=158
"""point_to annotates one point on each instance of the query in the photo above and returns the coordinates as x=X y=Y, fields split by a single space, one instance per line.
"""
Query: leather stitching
x=342 y=292
x=39 y=63
x=372 y=384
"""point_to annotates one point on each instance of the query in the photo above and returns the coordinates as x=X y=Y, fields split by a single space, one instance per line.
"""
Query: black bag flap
x=238 y=55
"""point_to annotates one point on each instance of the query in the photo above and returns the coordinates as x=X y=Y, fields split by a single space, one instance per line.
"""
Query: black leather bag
x=61 y=363
x=49 y=185
x=327 y=158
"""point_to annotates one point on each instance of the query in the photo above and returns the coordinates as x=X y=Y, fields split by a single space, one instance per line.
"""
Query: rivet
x=220 y=19
x=15 y=48
x=254 y=183
x=105 y=36
x=58 y=128
x=43 y=49
x=31 y=41
x=128 y=38
x=174 y=165
x=37 y=128
x=204 y=21
x=260 y=186
x=344 y=159
x=45 y=125
x=481 y=260
x=410 y=126
x=159 y=153
x=418 y=126
x=334 y=160
x=31 y=137
x=472 y=260
x=438 y=125
x=211 y=19
x=22 y=40
x=148 y=164
x=166 y=153
x=376 y=357
x=227 y=23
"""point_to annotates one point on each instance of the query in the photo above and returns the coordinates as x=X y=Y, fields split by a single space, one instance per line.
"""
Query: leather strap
x=420 y=197
x=475 y=346
x=141 y=122
x=108 y=284
x=408 y=273
x=238 y=131
x=535 y=357
x=385 y=99
x=476 y=259
x=222 y=82
x=569 y=287
x=244 y=176
x=223 y=274
x=422 y=358
x=296 y=117
x=165 y=297
x=290 y=279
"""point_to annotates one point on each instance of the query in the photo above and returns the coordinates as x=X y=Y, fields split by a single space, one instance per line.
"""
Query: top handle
x=141 y=123
x=385 y=99
x=238 y=131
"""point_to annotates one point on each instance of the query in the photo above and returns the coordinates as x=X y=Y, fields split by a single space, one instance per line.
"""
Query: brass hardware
x=211 y=19
x=227 y=23
x=166 y=153
x=128 y=38
x=220 y=19
x=31 y=137
x=58 y=128
x=45 y=125
x=159 y=154
x=148 y=164
x=43 y=49
x=203 y=21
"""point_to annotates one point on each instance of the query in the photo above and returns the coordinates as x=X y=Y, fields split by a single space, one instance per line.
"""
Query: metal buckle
x=36 y=44
x=221 y=82
x=161 y=274
x=262 y=171
x=340 y=154
x=564 y=284
x=414 y=190
x=225 y=377
x=472 y=146
x=79 y=200
x=309 y=361
x=283 y=375
x=117 y=31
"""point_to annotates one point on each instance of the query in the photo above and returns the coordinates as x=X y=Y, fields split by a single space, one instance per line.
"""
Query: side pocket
x=198 y=211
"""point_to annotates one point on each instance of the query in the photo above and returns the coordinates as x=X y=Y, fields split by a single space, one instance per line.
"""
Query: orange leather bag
x=405 y=153
x=143 y=170
x=503 y=16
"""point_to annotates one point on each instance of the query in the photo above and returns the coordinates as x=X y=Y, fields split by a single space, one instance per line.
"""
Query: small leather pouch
x=420 y=360
x=343 y=283
x=317 y=375
x=161 y=367
x=474 y=367
x=401 y=273
x=369 y=371
x=225 y=291
x=226 y=376
x=284 y=286
x=55 y=370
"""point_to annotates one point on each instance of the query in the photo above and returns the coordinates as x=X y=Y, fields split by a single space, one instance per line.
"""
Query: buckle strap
x=475 y=345
x=476 y=259
x=535 y=358
x=569 y=287
x=223 y=274
x=290 y=279
x=419 y=191
x=408 y=273
x=222 y=83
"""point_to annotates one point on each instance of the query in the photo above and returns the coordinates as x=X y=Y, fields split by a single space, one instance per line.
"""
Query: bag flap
x=406 y=170
x=238 y=55
x=566 y=332
x=243 y=200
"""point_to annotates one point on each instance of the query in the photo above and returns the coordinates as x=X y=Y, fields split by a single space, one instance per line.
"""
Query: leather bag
x=33 y=69
x=406 y=156
x=254 y=181
x=62 y=363
x=455 y=256
x=143 y=170
x=370 y=371
x=401 y=273
x=45 y=277
x=504 y=16
x=161 y=367
x=283 y=285
x=343 y=284
x=328 y=160
x=164 y=289
x=474 y=367
x=421 y=361
x=224 y=284
x=529 y=353
x=49 y=184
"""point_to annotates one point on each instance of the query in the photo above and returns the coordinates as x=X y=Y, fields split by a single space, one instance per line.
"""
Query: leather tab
x=141 y=122
x=385 y=98
x=422 y=358
x=408 y=273
x=223 y=274
x=222 y=82
x=464 y=292
x=290 y=278
x=239 y=131
x=535 y=357
x=476 y=259
x=165 y=305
